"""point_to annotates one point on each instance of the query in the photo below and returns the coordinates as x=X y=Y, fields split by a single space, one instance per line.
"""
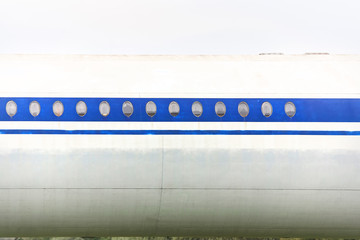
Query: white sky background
x=179 y=26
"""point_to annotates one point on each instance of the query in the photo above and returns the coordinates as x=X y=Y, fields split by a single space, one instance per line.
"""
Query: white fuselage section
x=170 y=177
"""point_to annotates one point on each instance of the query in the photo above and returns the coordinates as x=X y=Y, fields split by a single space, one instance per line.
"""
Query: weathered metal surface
x=180 y=185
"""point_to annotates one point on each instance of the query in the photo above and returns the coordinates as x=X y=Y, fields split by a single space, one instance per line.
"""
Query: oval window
x=104 y=108
x=34 y=108
x=243 y=109
x=220 y=109
x=81 y=108
x=290 y=109
x=197 y=109
x=150 y=108
x=11 y=108
x=174 y=108
x=58 y=108
x=127 y=108
x=266 y=109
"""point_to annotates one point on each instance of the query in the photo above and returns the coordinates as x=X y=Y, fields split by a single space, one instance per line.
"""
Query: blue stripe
x=307 y=110
x=178 y=132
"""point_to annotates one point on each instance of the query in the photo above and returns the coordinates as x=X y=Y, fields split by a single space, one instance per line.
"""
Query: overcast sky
x=179 y=26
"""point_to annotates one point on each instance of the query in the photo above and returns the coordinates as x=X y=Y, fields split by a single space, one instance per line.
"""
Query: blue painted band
x=307 y=110
x=178 y=132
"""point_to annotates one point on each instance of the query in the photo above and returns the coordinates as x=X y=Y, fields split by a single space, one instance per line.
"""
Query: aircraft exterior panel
x=183 y=175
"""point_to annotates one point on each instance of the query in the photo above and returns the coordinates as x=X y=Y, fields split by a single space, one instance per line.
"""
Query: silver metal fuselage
x=110 y=182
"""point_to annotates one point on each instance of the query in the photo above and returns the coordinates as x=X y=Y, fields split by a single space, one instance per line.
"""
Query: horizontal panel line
x=192 y=189
x=177 y=132
x=288 y=126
